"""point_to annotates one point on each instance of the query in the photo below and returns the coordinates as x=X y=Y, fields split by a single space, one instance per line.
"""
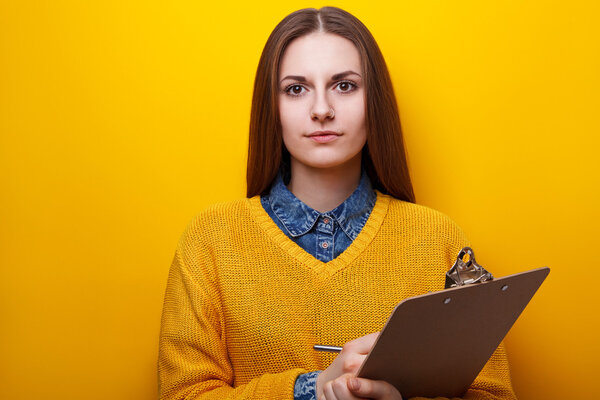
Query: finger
x=328 y=392
x=351 y=362
x=338 y=389
x=362 y=345
x=373 y=389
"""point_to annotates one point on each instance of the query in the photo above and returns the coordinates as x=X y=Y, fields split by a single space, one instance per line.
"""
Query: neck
x=323 y=189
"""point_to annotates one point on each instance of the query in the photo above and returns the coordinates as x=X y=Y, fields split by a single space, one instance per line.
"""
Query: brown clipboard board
x=437 y=343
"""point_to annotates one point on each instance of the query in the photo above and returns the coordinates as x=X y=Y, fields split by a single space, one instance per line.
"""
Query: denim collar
x=298 y=218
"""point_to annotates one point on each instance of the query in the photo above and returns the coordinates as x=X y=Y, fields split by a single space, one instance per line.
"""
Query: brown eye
x=346 y=86
x=294 y=90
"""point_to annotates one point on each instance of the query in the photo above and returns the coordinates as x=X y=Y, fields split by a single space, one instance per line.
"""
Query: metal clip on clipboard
x=466 y=271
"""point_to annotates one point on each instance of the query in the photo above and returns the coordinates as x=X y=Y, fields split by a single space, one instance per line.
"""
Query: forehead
x=320 y=53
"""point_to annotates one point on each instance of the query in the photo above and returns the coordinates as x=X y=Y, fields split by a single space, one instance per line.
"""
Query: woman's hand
x=349 y=387
x=339 y=380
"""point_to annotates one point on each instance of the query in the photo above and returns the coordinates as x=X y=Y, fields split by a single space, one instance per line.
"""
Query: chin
x=326 y=158
x=327 y=163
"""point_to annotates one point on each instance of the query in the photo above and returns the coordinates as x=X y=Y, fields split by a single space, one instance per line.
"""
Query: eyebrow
x=335 y=77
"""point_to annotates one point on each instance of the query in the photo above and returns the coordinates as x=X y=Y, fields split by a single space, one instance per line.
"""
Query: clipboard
x=437 y=343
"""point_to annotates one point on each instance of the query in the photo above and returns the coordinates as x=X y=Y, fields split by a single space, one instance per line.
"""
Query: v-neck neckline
x=329 y=268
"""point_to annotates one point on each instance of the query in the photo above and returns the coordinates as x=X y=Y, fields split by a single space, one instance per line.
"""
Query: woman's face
x=322 y=102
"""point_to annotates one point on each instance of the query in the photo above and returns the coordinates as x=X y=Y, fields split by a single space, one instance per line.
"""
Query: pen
x=332 y=349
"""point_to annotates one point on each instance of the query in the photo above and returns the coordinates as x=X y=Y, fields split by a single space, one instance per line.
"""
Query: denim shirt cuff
x=305 y=387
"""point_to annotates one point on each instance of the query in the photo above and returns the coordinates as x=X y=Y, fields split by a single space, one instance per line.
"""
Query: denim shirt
x=324 y=235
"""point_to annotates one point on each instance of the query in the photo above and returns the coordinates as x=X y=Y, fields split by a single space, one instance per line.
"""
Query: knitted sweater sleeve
x=193 y=360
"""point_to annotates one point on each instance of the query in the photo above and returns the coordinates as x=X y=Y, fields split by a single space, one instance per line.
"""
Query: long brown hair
x=384 y=157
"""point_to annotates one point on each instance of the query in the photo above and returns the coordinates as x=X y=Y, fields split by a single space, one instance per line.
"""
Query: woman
x=327 y=243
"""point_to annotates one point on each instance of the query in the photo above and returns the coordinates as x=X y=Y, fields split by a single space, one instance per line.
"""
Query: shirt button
x=324 y=245
x=326 y=220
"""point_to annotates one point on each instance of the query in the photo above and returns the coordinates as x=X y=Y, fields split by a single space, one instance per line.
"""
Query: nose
x=321 y=110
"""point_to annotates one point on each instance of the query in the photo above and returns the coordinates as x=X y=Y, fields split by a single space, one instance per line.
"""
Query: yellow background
x=120 y=120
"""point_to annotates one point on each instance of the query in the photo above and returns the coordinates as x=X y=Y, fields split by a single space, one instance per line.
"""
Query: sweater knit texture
x=244 y=304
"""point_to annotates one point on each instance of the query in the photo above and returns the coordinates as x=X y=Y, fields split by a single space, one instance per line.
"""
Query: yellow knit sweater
x=244 y=304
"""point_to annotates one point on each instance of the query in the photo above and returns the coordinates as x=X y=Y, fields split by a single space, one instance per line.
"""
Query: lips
x=323 y=136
